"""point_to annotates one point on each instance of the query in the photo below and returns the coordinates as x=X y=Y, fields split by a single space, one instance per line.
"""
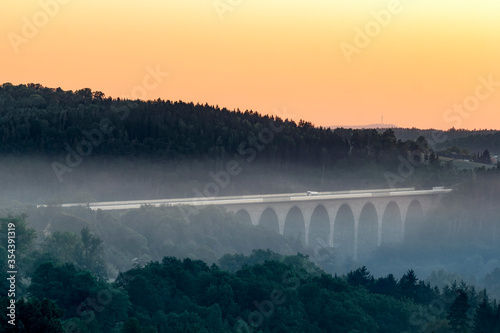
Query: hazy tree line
x=460 y=236
x=464 y=153
x=470 y=214
x=148 y=234
x=442 y=138
x=475 y=142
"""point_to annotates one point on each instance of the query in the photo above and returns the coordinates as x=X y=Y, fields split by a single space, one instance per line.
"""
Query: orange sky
x=287 y=57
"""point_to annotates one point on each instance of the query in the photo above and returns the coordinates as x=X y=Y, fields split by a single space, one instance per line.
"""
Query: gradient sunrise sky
x=423 y=64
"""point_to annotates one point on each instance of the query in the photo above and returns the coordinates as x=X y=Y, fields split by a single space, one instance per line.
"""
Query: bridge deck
x=249 y=199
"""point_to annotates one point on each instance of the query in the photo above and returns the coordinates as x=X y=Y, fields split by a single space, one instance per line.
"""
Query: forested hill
x=475 y=143
x=40 y=120
x=37 y=119
x=439 y=137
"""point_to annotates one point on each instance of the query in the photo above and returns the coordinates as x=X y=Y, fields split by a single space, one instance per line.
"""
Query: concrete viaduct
x=353 y=223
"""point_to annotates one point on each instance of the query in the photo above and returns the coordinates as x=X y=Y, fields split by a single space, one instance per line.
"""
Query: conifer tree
x=483 y=318
x=457 y=316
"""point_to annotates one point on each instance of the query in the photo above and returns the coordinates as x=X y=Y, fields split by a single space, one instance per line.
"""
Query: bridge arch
x=414 y=219
x=343 y=235
x=367 y=231
x=244 y=216
x=295 y=226
x=269 y=220
x=392 y=224
x=319 y=228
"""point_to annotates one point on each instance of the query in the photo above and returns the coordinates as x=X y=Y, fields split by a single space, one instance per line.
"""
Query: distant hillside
x=442 y=139
x=371 y=126
x=475 y=143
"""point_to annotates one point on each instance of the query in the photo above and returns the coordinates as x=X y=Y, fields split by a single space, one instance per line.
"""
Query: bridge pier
x=380 y=206
x=332 y=211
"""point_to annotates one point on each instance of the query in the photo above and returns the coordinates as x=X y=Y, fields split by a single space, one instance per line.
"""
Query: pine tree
x=434 y=160
x=496 y=317
x=457 y=316
x=483 y=319
x=360 y=277
x=486 y=157
x=408 y=284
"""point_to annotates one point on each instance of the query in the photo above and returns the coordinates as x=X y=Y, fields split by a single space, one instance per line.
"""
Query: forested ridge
x=475 y=142
x=441 y=137
x=41 y=120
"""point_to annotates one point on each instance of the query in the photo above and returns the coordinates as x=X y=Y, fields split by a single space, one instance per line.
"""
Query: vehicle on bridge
x=438 y=188
x=309 y=193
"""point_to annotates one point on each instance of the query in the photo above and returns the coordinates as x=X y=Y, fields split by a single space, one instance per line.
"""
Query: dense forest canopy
x=41 y=120
x=37 y=119
x=475 y=142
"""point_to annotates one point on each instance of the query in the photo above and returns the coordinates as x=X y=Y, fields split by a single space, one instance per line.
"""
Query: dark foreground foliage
x=286 y=294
